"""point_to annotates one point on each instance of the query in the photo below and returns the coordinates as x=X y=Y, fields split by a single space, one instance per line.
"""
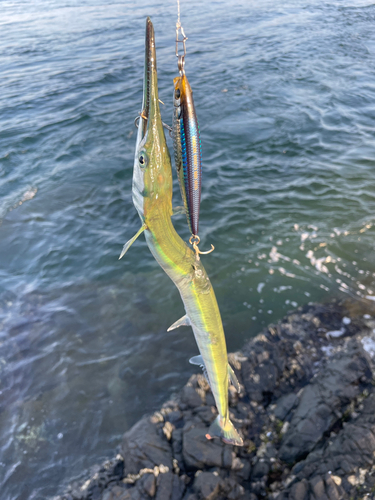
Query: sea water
x=285 y=96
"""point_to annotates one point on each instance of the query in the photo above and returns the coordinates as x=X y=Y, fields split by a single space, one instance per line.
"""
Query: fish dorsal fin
x=233 y=379
x=184 y=321
x=129 y=243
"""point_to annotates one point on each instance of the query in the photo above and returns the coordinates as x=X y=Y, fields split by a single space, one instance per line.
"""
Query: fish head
x=152 y=176
x=182 y=90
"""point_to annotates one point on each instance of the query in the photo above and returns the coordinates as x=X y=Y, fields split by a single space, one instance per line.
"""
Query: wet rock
x=307 y=414
x=260 y=469
x=164 y=486
x=191 y=397
x=323 y=400
x=148 y=484
x=145 y=446
x=207 y=485
x=299 y=491
x=199 y=452
x=284 y=405
x=178 y=488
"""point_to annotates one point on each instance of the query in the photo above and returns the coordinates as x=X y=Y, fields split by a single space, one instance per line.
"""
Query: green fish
x=152 y=197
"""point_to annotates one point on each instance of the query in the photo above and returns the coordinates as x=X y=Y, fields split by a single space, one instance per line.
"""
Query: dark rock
x=284 y=405
x=148 y=484
x=299 y=491
x=231 y=489
x=107 y=495
x=227 y=457
x=132 y=494
x=302 y=404
x=260 y=469
x=178 y=488
x=190 y=496
x=191 y=397
x=207 y=485
x=164 y=486
x=318 y=488
x=144 y=447
x=117 y=491
x=322 y=401
x=199 y=452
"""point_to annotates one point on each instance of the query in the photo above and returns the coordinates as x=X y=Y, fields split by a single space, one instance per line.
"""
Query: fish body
x=152 y=197
x=187 y=150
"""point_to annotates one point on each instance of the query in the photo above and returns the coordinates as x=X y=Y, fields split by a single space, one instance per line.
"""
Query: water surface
x=285 y=97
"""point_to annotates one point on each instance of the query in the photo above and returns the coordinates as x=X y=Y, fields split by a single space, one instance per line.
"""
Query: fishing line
x=178 y=24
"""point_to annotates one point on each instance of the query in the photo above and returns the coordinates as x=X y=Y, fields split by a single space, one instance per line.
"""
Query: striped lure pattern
x=187 y=150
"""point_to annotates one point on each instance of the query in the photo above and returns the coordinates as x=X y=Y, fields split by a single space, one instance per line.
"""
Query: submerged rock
x=307 y=414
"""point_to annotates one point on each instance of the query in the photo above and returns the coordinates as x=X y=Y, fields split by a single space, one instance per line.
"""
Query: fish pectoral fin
x=233 y=379
x=197 y=360
x=129 y=243
x=184 y=321
x=178 y=210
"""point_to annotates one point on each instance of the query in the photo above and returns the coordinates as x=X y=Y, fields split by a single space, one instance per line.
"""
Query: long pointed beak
x=150 y=82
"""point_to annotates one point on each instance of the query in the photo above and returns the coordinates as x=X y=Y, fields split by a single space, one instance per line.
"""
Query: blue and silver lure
x=187 y=150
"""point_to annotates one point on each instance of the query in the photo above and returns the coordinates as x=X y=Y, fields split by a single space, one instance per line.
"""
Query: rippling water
x=285 y=96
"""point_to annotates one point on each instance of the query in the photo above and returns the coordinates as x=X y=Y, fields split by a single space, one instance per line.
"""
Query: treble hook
x=195 y=244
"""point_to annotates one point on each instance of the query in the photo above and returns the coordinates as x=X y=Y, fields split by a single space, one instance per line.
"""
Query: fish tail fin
x=223 y=427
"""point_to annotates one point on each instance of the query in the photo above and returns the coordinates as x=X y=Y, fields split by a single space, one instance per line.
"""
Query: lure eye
x=142 y=158
x=178 y=93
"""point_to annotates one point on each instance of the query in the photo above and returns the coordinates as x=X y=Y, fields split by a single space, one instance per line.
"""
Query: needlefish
x=152 y=197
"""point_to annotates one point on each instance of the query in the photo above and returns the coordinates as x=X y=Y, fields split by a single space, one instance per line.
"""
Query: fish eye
x=178 y=93
x=142 y=158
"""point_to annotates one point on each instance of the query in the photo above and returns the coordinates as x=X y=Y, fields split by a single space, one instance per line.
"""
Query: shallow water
x=285 y=97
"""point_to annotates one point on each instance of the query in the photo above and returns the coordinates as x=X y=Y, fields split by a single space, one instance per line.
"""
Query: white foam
x=282 y=288
x=346 y=320
x=369 y=345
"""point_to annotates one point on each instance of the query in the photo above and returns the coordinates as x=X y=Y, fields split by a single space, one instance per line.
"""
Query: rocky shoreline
x=306 y=412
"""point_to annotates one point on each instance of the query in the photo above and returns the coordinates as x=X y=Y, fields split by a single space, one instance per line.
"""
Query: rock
x=299 y=491
x=178 y=488
x=318 y=488
x=191 y=397
x=107 y=495
x=164 y=486
x=284 y=405
x=307 y=415
x=231 y=489
x=190 y=496
x=198 y=451
x=260 y=469
x=207 y=485
x=323 y=400
x=144 y=447
x=148 y=484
